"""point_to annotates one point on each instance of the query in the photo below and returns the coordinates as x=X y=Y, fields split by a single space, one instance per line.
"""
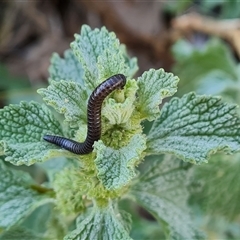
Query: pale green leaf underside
x=67 y=68
x=193 y=127
x=17 y=198
x=104 y=224
x=116 y=168
x=154 y=86
x=68 y=98
x=179 y=222
x=118 y=111
x=101 y=55
x=22 y=128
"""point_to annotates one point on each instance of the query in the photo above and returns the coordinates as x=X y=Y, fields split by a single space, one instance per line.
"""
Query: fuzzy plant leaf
x=20 y=233
x=116 y=167
x=194 y=127
x=106 y=223
x=67 y=68
x=101 y=55
x=215 y=186
x=167 y=178
x=68 y=98
x=162 y=190
x=18 y=197
x=130 y=62
x=120 y=108
x=55 y=165
x=22 y=128
x=154 y=86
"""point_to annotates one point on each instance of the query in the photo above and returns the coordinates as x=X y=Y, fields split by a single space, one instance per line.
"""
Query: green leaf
x=215 y=186
x=141 y=227
x=20 y=233
x=167 y=179
x=38 y=220
x=179 y=223
x=72 y=186
x=22 y=128
x=194 y=127
x=106 y=223
x=162 y=191
x=198 y=62
x=154 y=85
x=1 y=149
x=110 y=63
x=53 y=166
x=101 y=55
x=68 y=98
x=57 y=225
x=68 y=68
x=216 y=82
x=116 y=167
x=130 y=62
x=182 y=50
x=118 y=111
x=228 y=9
x=18 y=197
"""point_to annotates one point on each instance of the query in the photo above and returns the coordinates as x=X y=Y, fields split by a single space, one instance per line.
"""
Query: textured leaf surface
x=22 y=128
x=101 y=55
x=116 y=168
x=107 y=224
x=67 y=68
x=20 y=233
x=215 y=186
x=119 y=109
x=131 y=62
x=162 y=191
x=193 y=127
x=68 y=98
x=154 y=86
x=17 y=197
x=167 y=179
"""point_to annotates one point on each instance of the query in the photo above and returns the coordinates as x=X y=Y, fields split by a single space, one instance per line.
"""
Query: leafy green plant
x=214 y=188
x=83 y=192
x=211 y=69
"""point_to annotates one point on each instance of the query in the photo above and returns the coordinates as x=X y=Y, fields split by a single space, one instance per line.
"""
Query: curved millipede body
x=95 y=101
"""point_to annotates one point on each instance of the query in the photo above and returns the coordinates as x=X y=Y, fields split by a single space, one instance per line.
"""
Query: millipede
x=95 y=101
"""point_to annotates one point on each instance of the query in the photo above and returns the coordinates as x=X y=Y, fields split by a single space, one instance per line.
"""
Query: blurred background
x=197 y=40
x=174 y=35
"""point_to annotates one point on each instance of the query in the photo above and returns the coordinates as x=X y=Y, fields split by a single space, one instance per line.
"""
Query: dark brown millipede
x=95 y=101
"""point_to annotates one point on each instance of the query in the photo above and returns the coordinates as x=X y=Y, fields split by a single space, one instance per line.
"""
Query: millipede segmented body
x=95 y=101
